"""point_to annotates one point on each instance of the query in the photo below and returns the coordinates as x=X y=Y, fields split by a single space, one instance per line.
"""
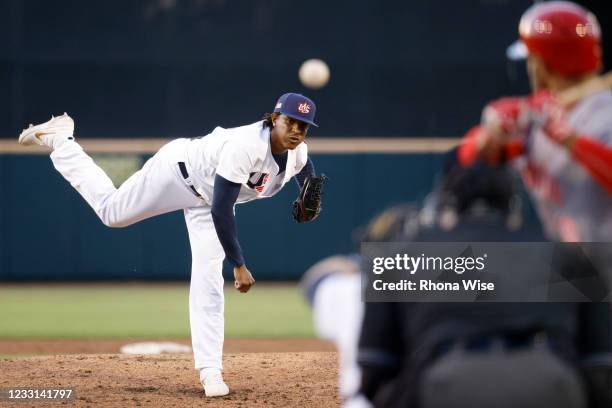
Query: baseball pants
x=156 y=189
x=337 y=314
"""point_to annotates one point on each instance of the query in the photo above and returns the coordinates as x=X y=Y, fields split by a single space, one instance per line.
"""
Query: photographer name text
x=422 y=263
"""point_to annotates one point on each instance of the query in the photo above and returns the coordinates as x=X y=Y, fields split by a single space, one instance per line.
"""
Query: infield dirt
x=25 y=347
x=290 y=379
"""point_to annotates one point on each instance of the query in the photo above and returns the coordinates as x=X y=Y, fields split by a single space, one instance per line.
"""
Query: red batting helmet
x=565 y=35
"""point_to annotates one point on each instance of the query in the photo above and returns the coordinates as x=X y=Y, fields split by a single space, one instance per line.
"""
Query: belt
x=188 y=179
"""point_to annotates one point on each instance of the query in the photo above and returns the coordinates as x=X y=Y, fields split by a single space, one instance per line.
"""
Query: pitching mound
x=110 y=380
x=112 y=346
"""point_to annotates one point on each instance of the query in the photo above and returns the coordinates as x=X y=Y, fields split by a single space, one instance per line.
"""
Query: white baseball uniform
x=335 y=283
x=241 y=155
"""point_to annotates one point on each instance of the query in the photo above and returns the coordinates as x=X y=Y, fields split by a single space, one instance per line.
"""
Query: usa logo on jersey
x=257 y=181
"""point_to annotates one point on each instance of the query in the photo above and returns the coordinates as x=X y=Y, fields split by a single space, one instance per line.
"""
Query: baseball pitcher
x=205 y=177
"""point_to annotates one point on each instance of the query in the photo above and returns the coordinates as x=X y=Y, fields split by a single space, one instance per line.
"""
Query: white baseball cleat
x=213 y=383
x=44 y=134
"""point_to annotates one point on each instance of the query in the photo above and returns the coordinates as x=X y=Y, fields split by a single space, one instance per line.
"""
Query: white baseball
x=314 y=73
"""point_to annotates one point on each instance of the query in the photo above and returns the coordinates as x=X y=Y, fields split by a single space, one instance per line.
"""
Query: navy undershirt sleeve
x=225 y=194
x=307 y=171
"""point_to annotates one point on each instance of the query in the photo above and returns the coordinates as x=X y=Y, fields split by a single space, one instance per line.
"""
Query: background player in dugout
x=563 y=155
x=205 y=177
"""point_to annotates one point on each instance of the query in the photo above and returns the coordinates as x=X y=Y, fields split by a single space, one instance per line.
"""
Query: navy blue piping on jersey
x=225 y=194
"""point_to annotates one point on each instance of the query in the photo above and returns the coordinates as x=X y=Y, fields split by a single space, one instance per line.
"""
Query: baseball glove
x=308 y=204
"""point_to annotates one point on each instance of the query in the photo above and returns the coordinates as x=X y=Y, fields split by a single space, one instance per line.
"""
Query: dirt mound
x=301 y=379
x=87 y=346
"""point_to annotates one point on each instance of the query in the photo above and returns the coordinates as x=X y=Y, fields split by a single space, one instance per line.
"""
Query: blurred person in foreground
x=478 y=355
x=564 y=154
x=332 y=288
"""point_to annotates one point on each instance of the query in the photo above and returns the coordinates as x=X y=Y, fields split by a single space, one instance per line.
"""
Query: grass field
x=104 y=311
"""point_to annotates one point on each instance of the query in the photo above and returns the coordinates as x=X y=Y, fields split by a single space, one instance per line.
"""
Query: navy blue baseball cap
x=298 y=107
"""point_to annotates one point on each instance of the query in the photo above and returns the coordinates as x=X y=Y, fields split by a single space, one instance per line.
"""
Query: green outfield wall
x=48 y=232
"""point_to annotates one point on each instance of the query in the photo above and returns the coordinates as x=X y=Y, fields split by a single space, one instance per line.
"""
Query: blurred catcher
x=205 y=177
x=471 y=355
x=562 y=149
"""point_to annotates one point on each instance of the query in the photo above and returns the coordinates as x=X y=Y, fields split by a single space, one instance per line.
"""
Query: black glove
x=308 y=204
